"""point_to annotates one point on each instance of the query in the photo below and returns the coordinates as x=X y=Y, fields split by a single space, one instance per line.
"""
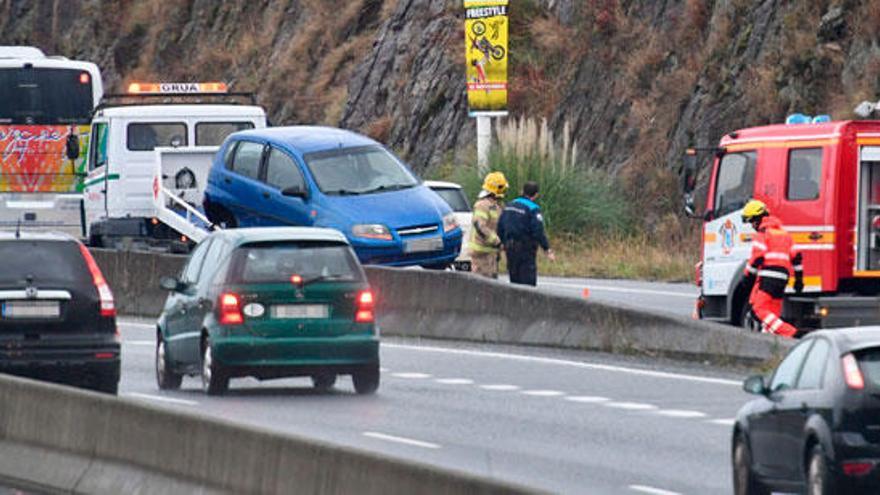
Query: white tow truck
x=148 y=163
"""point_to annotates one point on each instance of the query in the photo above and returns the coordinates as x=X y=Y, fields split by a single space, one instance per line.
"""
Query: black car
x=57 y=316
x=816 y=425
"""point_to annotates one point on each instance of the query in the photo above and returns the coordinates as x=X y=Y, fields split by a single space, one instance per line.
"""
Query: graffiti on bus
x=34 y=158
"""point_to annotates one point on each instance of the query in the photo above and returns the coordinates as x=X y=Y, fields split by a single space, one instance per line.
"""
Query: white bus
x=46 y=105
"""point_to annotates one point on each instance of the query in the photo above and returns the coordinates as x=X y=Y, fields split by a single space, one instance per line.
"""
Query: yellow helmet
x=754 y=209
x=496 y=184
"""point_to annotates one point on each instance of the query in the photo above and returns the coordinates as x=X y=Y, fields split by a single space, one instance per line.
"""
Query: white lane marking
x=651 y=490
x=681 y=413
x=723 y=422
x=563 y=362
x=384 y=370
x=543 y=393
x=139 y=342
x=402 y=440
x=605 y=288
x=631 y=406
x=151 y=326
x=160 y=398
x=499 y=387
x=588 y=399
x=413 y=376
x=454 y=381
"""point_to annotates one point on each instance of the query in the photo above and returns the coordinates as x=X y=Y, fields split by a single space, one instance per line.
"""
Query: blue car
x=326 y=177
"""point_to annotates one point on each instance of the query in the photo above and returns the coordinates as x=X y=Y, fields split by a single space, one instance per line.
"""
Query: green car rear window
x=280 y=261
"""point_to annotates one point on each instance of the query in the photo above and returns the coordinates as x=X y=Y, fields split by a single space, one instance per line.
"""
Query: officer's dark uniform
x=521 y=229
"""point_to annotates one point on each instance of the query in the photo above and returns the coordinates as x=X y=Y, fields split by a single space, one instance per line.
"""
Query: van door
x=727 y=241
x=284 y=176
x=95 y=185
x=868 y=229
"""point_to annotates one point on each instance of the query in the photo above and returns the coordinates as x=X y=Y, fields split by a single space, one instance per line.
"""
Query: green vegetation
x=593 y=226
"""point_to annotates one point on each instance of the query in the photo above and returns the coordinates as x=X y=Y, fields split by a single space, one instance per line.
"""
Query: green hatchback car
x=269 y=303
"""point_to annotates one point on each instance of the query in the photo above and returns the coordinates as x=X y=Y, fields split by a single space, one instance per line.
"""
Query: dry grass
x=628 y=258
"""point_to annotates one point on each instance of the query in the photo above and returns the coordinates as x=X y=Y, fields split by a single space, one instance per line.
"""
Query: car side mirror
x=170 y=284
x=755 y=385
x=294 y=192
x=689 y=174
x=72 y=147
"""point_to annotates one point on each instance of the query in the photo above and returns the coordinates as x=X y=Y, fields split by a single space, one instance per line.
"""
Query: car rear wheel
x=366 y=379
x=166 y=378
x=819 y=479
x=744 y=482
x=324 y=381
x=215 y=381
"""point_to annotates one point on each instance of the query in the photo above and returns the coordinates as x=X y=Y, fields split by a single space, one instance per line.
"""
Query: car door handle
x=266 y=194
x=227 y=180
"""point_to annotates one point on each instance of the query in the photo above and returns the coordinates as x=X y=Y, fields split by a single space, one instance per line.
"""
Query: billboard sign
x=486 y=30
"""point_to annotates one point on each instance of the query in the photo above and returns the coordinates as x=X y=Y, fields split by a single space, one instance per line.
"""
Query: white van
x=120 y=189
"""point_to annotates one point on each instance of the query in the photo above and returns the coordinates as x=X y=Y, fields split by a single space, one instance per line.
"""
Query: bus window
x=99 y=149
x=146 y=137
x=735 y=183
x=213 y=133
x=35 y=96
x=804 y=174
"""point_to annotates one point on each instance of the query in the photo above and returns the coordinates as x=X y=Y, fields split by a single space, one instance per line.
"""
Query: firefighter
x=769 y=267
x=521 y=229
x=485 y=246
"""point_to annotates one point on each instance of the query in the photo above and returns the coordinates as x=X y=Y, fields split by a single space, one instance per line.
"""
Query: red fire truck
x=823 y=181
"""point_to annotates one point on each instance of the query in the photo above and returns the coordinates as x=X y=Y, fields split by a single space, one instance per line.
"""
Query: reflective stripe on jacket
x=484 y=235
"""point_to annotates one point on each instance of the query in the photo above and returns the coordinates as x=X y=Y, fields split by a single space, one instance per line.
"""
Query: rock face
x=637 y=80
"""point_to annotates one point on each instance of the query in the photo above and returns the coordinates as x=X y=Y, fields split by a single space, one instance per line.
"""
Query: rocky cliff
x=637 y=80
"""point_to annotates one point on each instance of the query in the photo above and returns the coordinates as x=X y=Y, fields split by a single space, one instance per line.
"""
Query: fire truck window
x=736 y=182
x=804 y=174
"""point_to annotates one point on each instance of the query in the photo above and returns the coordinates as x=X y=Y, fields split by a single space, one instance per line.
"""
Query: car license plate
x=424 y=245
x=31 y=309
x=300 y=311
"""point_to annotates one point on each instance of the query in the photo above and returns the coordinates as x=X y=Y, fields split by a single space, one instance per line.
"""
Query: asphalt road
x=657 y=296
x=562 y=421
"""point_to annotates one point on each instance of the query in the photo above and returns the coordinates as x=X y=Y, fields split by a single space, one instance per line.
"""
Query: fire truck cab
x=823 y=181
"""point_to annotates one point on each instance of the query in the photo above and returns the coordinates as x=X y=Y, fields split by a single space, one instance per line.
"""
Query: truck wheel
x=747 y=320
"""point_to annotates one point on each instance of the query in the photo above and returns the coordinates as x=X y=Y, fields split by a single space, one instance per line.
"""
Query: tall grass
x=574 y=198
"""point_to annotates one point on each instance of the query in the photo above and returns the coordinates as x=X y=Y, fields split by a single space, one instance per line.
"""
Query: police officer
x=521 y=229
x=484 y=245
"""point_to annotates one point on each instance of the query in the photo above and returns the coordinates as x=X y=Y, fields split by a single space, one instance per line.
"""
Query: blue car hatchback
x=326 y=177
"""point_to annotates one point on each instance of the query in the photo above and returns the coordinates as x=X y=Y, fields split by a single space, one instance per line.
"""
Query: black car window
x=45 y=262
x=869 y=363
x=278 y=261
x=282 y=172
x=814 y=366
x=248 y=157
x=786 y=374
x=455 y=198
x=194 y=266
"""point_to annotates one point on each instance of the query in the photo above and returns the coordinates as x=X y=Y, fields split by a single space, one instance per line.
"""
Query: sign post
x=486 y=35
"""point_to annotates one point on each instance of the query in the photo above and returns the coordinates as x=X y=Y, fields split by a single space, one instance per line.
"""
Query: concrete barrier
x=64 y=439
x=449 y=305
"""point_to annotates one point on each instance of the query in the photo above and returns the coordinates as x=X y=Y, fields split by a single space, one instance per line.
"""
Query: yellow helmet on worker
x=495 y=183
x=754 y=210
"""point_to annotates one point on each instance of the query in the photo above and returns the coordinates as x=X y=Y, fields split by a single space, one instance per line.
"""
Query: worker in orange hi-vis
x=771 y=264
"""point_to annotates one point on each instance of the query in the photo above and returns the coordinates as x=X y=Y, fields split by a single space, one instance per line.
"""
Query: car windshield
x=455 y=198
x=362 y=170
x=41 y=261
x=279 y=261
